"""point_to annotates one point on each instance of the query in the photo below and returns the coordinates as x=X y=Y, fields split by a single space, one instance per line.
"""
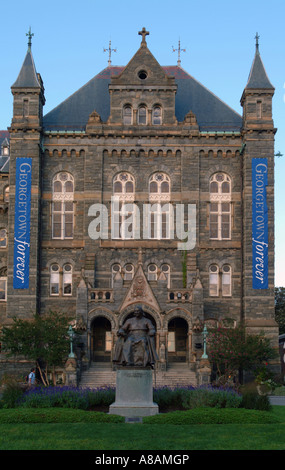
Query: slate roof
x=258 y=77
x=210 y=111
x=28 y=75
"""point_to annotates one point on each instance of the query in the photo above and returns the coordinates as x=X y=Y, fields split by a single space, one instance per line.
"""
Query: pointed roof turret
x=258 y=77
x=27 y=77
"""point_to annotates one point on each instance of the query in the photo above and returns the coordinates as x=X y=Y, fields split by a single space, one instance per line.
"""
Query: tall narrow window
x=142 y=115
x=165 y=268
x=25 y=108
x=152 y=272
x=3 y=284
x=220 y=207
x=160 y=217
x=214 y=280
x=127 y=115
x=226 y=280
x=156 y=115
x=123 y=216
x=116 y=268
x=62 y=206
x=67 y=279
x=128 y=272
x=54 y=279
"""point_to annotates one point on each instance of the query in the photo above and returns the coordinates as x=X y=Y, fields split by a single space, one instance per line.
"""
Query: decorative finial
x=179 y=50
x=143 y=33
x=30 y=35
x=256 y=41
x=110 y=53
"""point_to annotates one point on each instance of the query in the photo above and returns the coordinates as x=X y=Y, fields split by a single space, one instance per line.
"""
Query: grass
x=66 y=429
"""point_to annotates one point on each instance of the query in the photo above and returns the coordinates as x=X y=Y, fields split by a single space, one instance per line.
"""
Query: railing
x=179 y=295
x=101 y=295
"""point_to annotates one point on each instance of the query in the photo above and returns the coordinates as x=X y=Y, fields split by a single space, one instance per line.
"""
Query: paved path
x=277 y=400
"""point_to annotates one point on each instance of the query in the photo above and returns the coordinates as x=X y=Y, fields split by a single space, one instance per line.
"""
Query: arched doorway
x=101 y=340
x=177 y=340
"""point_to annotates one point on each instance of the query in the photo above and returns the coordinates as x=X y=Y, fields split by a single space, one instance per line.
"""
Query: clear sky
x=218 y=35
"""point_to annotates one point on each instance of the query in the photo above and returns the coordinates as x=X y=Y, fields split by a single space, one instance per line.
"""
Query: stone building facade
x=137 y=145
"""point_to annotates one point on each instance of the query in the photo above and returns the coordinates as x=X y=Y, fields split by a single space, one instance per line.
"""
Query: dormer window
x=142 y=113
x=127 y=115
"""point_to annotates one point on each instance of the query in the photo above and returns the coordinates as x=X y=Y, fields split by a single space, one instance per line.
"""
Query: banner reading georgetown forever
x=22 y=223
x=259 y=224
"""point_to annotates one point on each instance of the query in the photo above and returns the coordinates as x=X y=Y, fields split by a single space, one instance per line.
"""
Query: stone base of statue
x=134 y=393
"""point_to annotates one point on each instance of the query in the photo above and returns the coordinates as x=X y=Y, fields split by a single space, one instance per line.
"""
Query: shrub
x=190 y=397
x=12 y=391
x=212 y=416
x=66 y=397
x=251 y=400
x=56 y=415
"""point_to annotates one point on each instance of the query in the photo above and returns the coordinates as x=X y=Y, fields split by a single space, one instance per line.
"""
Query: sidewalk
x=277 y=400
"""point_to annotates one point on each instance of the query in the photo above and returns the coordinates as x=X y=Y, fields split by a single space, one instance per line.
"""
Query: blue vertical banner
x=259 y=224
x=22 y=223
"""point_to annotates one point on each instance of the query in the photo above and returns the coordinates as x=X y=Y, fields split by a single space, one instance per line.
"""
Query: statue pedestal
x=134 y=393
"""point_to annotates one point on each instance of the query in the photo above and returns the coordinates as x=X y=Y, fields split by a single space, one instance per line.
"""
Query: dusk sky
x=219 y=38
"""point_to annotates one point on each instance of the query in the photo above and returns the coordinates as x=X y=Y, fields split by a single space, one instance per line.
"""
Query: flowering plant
x=265 y=377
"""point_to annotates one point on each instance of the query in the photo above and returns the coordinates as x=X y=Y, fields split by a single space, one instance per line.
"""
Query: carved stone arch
x=178 y=312
x=125 y=169
x=102 y=312
x=219 y=168
x=147 y=308
x=160 y=168
x=64 y=168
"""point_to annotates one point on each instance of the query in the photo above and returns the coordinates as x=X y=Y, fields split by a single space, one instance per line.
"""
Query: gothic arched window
x=62 y=206
x=67 y=279
x=142 y=115
x=127 y=115
x=152 y=272
x=54 y=279
x=129 y=272
x=220 y=280
x=157 y=115
x=123 y=209
x=220 y=207
x=160 y=217
x=226 y=280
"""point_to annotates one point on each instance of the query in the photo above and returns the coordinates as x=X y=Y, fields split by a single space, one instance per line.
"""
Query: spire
x=27 y=77
x=258 y=77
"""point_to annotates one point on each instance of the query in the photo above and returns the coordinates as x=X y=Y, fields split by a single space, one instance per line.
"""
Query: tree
x=43 y=339
x=232 y=350
x=280 y=308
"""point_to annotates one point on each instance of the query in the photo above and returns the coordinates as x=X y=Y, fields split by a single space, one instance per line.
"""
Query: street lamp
x=71 y=336
x=205 y=334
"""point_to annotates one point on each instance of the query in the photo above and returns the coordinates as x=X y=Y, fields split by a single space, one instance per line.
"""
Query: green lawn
x=82 y=434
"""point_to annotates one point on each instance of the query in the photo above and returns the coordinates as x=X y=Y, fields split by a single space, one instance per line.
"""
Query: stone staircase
x=102 y=374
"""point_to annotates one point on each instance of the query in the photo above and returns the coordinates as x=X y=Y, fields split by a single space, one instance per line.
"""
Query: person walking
x=32 y=377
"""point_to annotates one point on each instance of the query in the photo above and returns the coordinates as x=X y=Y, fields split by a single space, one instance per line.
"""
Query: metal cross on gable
x=143 y=33
x=179 y=51
x=110 y=53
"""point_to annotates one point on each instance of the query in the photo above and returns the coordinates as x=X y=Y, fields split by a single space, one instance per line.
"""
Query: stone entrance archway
x=101 y=340
x=177 y=341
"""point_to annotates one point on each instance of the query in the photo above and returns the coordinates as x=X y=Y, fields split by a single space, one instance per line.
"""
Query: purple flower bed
x=166 y=398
